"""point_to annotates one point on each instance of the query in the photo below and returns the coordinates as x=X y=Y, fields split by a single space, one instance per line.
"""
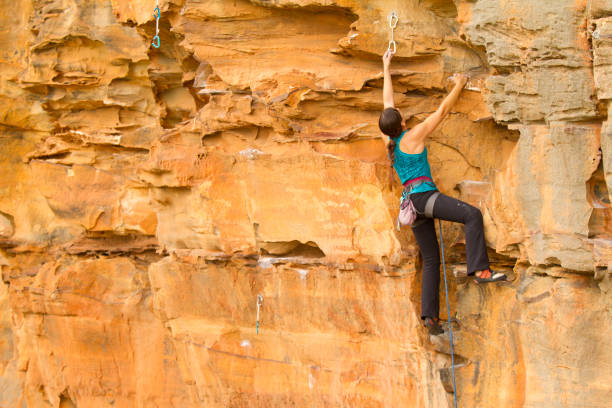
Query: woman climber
x=408 y=154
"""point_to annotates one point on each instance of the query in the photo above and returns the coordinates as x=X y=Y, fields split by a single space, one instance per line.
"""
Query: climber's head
x=390 y=122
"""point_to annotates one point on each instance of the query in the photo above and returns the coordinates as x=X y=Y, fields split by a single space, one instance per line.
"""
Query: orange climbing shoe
x=492 y=277
x=433 y=326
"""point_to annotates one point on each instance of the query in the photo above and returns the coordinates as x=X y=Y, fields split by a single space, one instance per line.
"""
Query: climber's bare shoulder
x=413 y=141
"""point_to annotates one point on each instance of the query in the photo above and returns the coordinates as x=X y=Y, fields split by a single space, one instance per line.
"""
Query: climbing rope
x=259 y=303
x=393 y=19
x=156 y=25
x=450 y=329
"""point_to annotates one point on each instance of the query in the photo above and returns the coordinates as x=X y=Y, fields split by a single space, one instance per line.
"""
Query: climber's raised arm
x=387 y=85
x=423 y=129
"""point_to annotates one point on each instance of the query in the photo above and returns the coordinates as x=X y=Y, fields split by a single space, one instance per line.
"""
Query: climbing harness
x=156 y=38
x=408 y=214
x=450 y=328
x=259 y=303
x=393 y=19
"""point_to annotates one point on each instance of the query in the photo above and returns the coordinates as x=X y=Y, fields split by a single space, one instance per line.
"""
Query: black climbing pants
x=448 y=209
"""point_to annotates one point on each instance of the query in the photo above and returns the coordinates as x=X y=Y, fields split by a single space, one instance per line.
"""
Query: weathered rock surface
x=148 y=195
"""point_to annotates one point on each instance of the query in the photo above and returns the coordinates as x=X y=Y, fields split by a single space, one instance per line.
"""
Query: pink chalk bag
x=408 y=213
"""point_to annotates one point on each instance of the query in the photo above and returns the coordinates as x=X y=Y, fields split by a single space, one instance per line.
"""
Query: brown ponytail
x=391 y=155
x=390 y=123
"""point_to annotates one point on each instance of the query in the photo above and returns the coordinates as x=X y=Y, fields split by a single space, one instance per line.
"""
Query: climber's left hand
x=387 y=58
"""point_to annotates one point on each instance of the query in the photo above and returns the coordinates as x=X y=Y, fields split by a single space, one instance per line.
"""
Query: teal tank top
x=411 y=166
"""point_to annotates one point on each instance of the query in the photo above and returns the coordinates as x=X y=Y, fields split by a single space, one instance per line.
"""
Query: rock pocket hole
x=65 y=401
x=291 y=249
x=600 y=223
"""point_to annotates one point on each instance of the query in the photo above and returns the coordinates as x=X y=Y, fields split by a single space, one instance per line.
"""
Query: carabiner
x=394 y=46
x=156 y=38
x=158 y=14
x=393 y=16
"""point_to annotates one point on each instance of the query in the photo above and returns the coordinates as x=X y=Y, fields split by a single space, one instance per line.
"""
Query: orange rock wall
x=149 y=195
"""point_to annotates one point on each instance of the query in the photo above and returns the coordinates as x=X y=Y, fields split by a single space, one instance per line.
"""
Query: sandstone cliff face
x=149 y=195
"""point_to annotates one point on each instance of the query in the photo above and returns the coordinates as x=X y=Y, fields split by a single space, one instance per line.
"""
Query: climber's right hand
x=460 y=79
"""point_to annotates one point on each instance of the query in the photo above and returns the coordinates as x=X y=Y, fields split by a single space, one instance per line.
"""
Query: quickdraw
x=393 y=19
x=156 y=38
x=597 y=35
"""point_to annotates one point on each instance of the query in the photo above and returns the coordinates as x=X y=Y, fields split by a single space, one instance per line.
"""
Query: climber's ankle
x=485 y=273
